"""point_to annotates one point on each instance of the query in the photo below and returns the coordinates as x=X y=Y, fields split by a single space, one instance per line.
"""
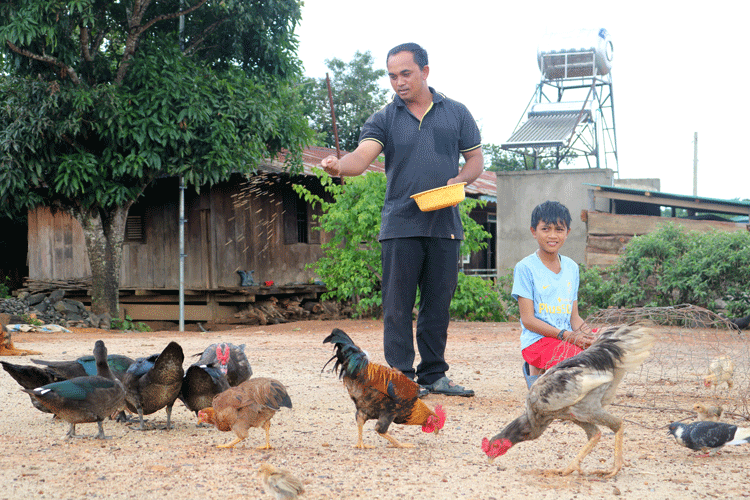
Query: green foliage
x=595 y=290
x=671 y=267
x=129 y=324
x=351 y=267
x=497 y=159
x=356 y=95
x=647 y=262
x=98 y=99
x=5 y=288
x=505 y=287
x=29 y=320
x=477 y=299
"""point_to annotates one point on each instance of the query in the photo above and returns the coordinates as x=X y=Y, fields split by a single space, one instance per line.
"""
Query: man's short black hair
x=551 y=212
x=420 y=55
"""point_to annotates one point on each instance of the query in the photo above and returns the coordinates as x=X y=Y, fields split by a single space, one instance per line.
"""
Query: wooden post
x=333 y=117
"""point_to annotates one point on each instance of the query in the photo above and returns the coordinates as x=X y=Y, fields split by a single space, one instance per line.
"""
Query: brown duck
x=84 y=399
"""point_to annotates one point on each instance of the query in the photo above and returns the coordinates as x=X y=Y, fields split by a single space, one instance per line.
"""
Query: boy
x=546 y=286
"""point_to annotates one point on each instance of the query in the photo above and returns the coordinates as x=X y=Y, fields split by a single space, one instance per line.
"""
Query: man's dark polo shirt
x=418 y=157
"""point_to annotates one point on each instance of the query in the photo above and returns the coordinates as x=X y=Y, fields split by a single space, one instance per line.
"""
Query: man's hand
x=331 y=165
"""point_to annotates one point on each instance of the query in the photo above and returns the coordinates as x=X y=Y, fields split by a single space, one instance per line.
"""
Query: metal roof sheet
x=678 y=200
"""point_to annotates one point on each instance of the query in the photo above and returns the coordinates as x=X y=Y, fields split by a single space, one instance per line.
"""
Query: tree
x=356 y=95
x=98 y=99
x=497 y=159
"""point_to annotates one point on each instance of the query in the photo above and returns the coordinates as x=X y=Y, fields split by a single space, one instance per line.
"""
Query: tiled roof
x=486 y=184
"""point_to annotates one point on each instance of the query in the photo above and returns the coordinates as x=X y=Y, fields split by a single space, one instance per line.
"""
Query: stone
x=56 y=296
x=35 y=299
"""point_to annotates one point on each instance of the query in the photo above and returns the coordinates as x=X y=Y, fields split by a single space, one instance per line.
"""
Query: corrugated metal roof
x=678 y=200
x=544 y=130
x=486 y=184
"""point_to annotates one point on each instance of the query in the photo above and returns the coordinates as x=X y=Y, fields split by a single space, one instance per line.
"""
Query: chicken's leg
x=360 y=444
x=395 y=442
x=232 y=444
x=575 y=464
x=618 y=455
x=267 y=427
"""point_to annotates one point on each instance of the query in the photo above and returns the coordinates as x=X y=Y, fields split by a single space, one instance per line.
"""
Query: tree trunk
x=104 y=233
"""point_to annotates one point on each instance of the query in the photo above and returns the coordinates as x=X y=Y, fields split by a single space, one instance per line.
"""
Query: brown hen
x=251 y=404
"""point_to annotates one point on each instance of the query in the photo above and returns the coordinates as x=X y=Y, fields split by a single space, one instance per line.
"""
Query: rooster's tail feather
x=350 y=359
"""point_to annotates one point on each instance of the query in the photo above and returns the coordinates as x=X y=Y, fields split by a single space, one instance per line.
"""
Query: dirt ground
x=314 y=440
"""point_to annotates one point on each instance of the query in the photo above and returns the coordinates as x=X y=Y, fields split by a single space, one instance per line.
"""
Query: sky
x=679 y=68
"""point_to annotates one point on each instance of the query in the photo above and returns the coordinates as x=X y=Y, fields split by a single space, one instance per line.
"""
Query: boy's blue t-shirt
x=553 y=294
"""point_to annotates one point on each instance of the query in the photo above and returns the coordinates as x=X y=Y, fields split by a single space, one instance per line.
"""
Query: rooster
x=380 y=393
x=578 y=389
x=720 y=370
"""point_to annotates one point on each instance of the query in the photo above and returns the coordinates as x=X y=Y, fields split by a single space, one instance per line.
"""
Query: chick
x=708 y=413
x=279 y=482
x=721 y=370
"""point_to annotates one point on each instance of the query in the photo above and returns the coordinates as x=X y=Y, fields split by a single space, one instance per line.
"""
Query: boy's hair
x=420 y=55
x=551 y=212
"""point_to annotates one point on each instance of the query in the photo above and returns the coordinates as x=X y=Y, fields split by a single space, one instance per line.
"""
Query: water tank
x=575 y=54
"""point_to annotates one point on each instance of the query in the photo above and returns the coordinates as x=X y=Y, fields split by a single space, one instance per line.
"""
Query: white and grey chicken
x=578 y=389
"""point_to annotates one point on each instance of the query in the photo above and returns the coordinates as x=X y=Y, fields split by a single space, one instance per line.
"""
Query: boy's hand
x=585 y=336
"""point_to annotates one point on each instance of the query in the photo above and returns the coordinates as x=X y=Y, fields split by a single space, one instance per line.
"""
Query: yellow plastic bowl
x=435 y=199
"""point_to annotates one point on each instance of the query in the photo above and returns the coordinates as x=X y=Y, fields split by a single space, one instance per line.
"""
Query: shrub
x=5 y=288
x=669 y=267
x=129 y=324
x=477 y=299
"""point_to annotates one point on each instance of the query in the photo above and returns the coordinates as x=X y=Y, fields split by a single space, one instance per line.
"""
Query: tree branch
x=84 y=42
x=200 y=39
x=48 y=59
x=165 y=17
x=136 y=30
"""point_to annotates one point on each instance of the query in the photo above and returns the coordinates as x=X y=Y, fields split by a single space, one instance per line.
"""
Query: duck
x=86 y=365
x=154 y=382
x=230 y=359
x=199 y=386
x=32 y=376
x=84 y=399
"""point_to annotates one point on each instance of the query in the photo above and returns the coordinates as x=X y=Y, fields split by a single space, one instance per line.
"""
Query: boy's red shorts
x=547 y=352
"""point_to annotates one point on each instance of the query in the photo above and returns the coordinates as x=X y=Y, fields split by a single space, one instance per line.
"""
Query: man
x=421 y=133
